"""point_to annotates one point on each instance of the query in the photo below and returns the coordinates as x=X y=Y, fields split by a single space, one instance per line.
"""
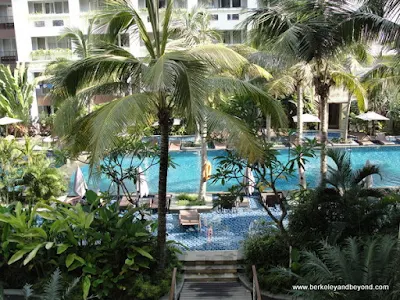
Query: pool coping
x=212 y=255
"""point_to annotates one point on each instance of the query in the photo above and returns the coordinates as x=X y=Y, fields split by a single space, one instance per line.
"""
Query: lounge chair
x=270 y=198
x=219 y=146
x=175 y=145
x=381 y=139
x=125 y=203
x=363 y=139
x=153 y=202
x=189 y=217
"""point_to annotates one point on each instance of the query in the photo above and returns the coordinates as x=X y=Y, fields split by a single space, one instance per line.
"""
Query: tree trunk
x=323 y=98
x=268 y=127
x=347 y=117
x=164 y=123
x=302 y=176
x=203 y=154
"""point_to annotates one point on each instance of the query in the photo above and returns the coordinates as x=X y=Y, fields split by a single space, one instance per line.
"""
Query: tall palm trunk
x=164 y=122
x=268 y=127
x=203 y=155
x=322 y=90
x=302 y=176
x=347 y=117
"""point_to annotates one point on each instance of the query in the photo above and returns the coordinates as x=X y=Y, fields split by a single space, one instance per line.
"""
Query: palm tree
x=314 y=32
x=16 y=95
x=369 y=263
x=343 y=178
x=164 y=84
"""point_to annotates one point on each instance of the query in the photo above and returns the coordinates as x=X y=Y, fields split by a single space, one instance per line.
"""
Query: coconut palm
x=343 y=178
x=371 y=263
x=311 y=31
x=163 y=84
x=16 y=95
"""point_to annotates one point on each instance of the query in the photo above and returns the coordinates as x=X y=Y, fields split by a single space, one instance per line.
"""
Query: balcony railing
x=52 y=54
x=8 y=56
x=6 y=22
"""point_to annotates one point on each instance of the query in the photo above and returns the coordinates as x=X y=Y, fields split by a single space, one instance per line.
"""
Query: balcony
x=8 y=57
x=6 y=22
x=224 y=4
x=51 y=54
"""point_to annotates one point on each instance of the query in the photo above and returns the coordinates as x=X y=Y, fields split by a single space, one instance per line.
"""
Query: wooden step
x=211 y=269
x=214 y=291
x=210 y=277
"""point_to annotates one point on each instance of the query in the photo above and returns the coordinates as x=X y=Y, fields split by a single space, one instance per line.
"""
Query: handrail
x=172 y=291
x=256 y=287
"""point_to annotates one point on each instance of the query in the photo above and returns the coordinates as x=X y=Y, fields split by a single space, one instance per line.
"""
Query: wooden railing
x=172 y=291
x=256 y=287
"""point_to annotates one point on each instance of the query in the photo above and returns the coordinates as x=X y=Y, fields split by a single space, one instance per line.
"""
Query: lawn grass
x=188 y=200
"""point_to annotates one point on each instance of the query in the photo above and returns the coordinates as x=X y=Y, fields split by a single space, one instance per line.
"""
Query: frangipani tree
x=163 y=84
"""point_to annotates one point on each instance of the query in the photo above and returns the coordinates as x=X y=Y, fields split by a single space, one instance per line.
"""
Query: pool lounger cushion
x=189 y=217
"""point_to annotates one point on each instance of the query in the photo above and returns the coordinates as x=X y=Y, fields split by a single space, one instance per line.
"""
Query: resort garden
x=207 y=147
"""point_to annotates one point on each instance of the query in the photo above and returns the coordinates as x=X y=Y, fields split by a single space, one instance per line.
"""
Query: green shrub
x=108 y=251
x=326 y=215
x=266 y=251
x=188 y=197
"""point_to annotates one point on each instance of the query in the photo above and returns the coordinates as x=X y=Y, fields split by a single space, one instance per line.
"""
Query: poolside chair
x=381 y=139
x=219 y=145
x=189 y=217
x=270 y=199
x=175 y=145
x=74 y=200
x=153 y=202
x=125 y=203
x=363 y=139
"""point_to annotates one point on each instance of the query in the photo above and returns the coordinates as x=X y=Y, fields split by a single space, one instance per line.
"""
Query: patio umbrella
x=7 y=121
x=142 y=186
x=308 y=118
x=80 y=186
x=175 y=123
x=372 y=116
x=249 y=181
x=369 y=181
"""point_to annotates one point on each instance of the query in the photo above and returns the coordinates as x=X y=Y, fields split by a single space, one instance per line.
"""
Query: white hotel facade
x=39 y=25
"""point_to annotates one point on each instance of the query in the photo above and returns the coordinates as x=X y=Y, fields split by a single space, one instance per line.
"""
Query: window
x=57 y=23
x=39 y=24
x=232 y=37
x=38 y=8
x=233 y=17
x=49 y=43
x=235 y=3
x=123 y=40
x=214 y=17
x=57 y=7
x=237 y=37
x=225 y=3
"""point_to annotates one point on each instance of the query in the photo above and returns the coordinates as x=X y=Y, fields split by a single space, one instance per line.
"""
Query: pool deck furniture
x=175 y=145
x=74 y=200
x=381 y=139
x=245 y=203
x=153 y=202
x=270 y=198
x=363 y=139
x=189 y=217
x=219 y=146
x=125 y=203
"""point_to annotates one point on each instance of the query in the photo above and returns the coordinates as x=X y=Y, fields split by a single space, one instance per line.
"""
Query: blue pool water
x=312 y=134
x=186 y=176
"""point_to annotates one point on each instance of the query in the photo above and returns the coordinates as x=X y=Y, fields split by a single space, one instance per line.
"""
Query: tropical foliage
x=16 y=95
x=371 y=264
x=112 y=254
x=27 y=175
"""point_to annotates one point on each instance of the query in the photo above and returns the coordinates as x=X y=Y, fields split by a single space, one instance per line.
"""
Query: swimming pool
x=186 y=176
x=229 y=228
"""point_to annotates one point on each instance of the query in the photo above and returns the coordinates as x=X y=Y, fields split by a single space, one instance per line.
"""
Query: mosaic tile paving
x=229 y=229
